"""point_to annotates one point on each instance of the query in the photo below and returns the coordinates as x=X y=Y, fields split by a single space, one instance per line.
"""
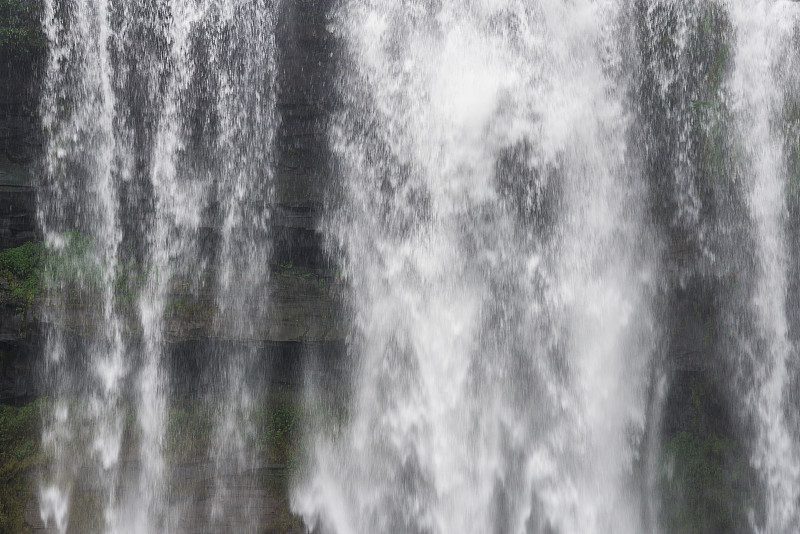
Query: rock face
x=305 y=326
x=21 y=60
x=304 y=102
x=18 y=363
x=17 y=215
x=21 y=139
x=272 y=513
x=302 y=292
x=305 y=74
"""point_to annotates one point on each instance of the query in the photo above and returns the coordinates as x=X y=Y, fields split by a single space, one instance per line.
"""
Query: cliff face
x=17 y=214
x=21 y=59
x=305 y=323
x=303 y=287
x=22 y=54
x=305 y=76
x=21 y=143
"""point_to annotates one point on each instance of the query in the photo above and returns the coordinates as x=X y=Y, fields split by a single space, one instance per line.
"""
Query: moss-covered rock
x=188 y=449
x=20 y=275
x=21 y=32
x=19 y=455
x=706 y=477
x=302 y=303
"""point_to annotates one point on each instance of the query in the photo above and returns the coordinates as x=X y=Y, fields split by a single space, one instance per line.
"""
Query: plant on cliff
x=705 y=469
x=279 y=426
x=70 y=266
x=19 y=455
x=20 y=270
x=20 y=28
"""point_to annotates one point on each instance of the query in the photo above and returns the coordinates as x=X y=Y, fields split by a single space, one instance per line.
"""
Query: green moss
x=20 y=268
x=22 y=261
x=32 y=268
x=276 y=422
x=711 y=45
x=72 y=269
x=705 y=471
x=73 y=261
x=20 y=28
x=704 y=500
x=188 y=431
x=713 y=151
x=279 y=425
x=685 y=61
x=19 y=456
x=72 y=276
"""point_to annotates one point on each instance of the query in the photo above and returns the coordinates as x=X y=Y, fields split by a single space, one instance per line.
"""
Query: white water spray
x=161 y=122
x=763 y=29
x=501 y=328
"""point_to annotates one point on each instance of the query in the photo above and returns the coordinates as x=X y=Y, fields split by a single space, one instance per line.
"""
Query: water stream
x=160 y=127
x=545 y=216
x=492 y=235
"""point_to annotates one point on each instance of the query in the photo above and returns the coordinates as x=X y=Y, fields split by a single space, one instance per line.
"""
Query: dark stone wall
x=22 y=57
x=305 y=76
x=17 y=215
x=21 y=138
x=305 y=49
x=285 y=363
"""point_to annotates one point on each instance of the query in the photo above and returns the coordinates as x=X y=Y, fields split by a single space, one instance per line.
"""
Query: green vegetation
x=705 y=470
x=72 y=275
x=188 y=430
x=688 y=148
x=71 y=268
x=714 y=153
x=20 y=269
x=696 y=461
x=27 y=270
x=189 y=434
x=19 y=455
x=711 y=43
x=279 y=425
x=20 y=28
x=71 y=260
x=275 y=423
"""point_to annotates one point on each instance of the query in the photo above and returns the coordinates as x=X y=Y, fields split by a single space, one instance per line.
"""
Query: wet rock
x=17 y=215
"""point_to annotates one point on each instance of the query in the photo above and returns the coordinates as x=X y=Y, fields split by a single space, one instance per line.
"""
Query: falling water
x=244 y=191
x=160 y=122
x=491 y=235
x=764 y=30
x=81 y=121
x=543 y=213
x=715 y=150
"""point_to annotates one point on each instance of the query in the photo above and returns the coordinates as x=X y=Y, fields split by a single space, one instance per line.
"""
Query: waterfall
x=160 y=122
x=764 y=33
x=713 y=88
x=564 y=236
x=492 y=237
x=82 y=125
